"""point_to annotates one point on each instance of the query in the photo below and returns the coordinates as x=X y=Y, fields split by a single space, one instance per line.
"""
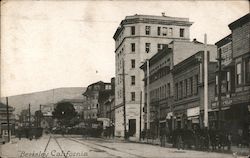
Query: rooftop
x=239 y=22
x=152 y=19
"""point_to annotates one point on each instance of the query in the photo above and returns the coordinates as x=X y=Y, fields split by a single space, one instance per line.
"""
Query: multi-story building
x=240 y=107
x=224 y=47
x=92 y=96
x=138 y=38
x=3 y=119
x=161 y=85
x=77 y=103
x=188 y=107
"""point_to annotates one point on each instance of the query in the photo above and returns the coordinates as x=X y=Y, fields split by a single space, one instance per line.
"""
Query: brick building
x=161 y=83
x=188 y=107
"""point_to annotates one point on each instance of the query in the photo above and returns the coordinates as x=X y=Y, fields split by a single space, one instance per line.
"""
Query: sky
x=52 y=44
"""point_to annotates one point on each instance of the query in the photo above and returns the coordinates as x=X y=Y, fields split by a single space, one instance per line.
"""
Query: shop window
x=238 y=73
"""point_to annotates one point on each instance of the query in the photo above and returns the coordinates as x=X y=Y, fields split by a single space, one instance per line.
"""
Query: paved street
x=75 y=146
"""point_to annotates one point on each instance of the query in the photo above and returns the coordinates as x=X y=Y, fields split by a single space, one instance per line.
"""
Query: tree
x=64 y=112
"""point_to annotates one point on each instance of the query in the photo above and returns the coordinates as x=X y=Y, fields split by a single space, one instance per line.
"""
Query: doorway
x=132 y=127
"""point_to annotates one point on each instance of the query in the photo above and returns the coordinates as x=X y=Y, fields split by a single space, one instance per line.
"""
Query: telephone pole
x=8 y=119
x=29 y=118
x=140 y=114
x=219 y=88
x=124 y=100
x=205 y=84
x=148 y=100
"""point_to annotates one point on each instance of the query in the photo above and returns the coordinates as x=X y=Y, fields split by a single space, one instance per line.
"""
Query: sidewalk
x=236 y=151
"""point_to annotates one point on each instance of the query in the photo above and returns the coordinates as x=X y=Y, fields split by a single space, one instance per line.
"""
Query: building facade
x=161 y=84
x=240 y=107
x=92 y=92
x=3 y=119
x=138 y=38
x=188 y=107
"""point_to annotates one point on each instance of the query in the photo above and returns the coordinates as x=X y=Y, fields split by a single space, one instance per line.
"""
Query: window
x=181 y=90
x=161 y=46
x=185 y=88
x=164 y=31
x=181 y=32
x=228 y=82
x=191 y=85
x=170 y=31
x=132 y=63
x=216 y=85
x=196 y=84
x=147 y=30
x=176 y=91
x=159 y=31
x=132 y=96
x=247 y=68
x=132 y=47
x=147 y=47
x=169 y=90
x=132 y=80
x=132 y=30
x=238 y=73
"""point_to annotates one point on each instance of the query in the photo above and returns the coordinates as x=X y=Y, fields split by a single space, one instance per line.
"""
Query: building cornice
x=152 y=20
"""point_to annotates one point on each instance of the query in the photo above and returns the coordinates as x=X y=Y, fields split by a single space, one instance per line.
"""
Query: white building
x=138 y=38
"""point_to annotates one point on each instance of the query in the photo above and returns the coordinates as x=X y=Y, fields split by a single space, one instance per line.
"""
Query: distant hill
x=20 y=102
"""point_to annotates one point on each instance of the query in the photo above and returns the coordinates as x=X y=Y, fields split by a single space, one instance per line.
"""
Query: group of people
x=200 y=139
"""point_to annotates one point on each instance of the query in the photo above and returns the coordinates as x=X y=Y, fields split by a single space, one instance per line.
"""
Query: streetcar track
x=47 y=144
x=95 y=149
x=56 y=143
x=110 y=148
x=60 y=147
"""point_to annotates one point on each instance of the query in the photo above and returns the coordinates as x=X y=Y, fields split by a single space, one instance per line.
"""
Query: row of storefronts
x=177 y=96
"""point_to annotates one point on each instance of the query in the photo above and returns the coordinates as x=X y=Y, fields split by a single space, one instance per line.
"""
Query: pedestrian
x=229 y=141
x=162 y=137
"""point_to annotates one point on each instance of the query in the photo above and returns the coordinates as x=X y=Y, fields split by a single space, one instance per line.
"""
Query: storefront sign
x=193 y=111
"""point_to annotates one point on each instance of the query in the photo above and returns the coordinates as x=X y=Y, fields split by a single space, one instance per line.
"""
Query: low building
x=3 y=119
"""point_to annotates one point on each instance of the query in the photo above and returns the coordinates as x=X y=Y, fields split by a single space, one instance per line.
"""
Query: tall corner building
x=137 y=39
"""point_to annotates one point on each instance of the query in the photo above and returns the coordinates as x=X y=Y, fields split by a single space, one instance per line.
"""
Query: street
x=78 y=147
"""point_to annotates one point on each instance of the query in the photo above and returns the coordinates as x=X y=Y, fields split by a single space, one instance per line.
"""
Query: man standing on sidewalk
x=162 y=137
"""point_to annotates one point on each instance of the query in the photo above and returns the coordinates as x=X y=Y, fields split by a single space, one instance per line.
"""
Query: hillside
x=20 y=102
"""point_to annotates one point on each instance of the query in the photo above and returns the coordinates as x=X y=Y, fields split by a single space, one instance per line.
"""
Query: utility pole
x=148 y=100
x=124 y=100
x=140 y=114
x=29 y=118
x=205 y=83
x=8 y=119
x=219 y=88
